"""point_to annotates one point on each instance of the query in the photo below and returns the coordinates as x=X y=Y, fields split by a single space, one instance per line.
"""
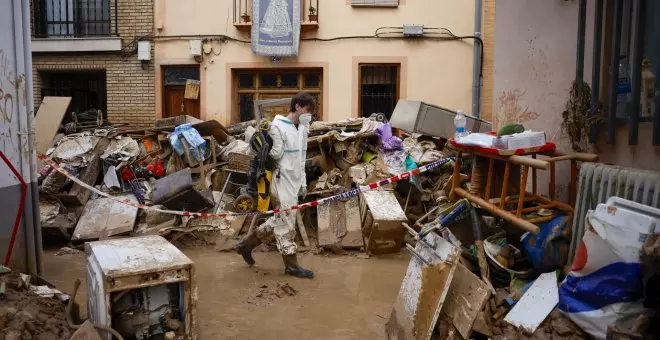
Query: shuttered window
x=375 y=3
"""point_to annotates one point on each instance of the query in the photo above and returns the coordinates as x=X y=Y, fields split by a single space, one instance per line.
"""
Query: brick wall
x=130 y=89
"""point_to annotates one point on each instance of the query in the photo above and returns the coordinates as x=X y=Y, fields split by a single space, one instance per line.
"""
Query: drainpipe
x=579 y=67
x=476 y=61
x=25 y=114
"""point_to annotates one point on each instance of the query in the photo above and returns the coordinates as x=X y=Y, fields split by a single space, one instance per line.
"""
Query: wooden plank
x=423 y=290
x=48 y=120
x=301 y=228
x=535 y=305
x=467 y=297
x=79 y=195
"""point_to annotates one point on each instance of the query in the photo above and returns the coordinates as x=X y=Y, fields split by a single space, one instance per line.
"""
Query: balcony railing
x=74 y=18
x=243 y=14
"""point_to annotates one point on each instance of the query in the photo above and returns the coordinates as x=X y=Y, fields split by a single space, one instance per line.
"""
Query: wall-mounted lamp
x=144 y=53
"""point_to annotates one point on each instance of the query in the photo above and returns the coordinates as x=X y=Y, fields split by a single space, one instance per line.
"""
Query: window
x=86 y=89
x=251 y=85
x=379 y=88
x=176 y=80
x=72 y=18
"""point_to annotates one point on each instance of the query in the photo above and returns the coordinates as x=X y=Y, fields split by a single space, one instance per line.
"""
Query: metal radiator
x=598 y=182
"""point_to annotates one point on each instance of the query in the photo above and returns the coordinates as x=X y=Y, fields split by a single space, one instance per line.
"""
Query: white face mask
x=305 y=118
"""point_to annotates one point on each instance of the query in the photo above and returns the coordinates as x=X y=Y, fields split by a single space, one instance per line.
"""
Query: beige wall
x=433 y=71
x=535 y=56
x=534 y=67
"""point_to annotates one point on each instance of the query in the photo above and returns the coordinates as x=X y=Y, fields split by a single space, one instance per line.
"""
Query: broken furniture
x=143 y=287
x=526 y=159
x=382 y=218
x=176 y=192
x=105 y=217
x=424 y=289
x=339 y=224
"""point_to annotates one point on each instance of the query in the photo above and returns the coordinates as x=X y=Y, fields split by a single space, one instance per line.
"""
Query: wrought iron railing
x=74 y=18
x=243 y=11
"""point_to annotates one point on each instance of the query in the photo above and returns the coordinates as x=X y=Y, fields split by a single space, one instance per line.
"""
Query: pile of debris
x=29 y=311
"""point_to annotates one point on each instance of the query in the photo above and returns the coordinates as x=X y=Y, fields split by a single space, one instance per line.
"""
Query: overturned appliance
x=420 y=117
x=143 y=287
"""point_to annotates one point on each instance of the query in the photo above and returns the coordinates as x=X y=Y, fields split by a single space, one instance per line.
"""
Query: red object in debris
x=127 y=174
x=156 y=169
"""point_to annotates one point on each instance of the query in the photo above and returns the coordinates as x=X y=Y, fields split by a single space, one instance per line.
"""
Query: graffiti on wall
x=9 y=99
x=509 y=109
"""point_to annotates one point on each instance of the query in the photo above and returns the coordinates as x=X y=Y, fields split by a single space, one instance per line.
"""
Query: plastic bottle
x=623 y=89
x=460 y=122
x=648 y=90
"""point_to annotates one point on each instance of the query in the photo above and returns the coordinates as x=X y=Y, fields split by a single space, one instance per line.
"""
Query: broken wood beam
x=507 y=216
x=78 y=195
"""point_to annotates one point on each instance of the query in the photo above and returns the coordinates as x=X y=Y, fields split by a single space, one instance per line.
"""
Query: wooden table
x=526 y=159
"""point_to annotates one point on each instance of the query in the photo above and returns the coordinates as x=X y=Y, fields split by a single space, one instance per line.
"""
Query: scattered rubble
x=487 y=249
x=270 y=292
x=24 y=314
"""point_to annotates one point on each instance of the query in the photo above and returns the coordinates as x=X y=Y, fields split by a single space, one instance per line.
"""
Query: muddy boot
x=292 y=268
x=245 y=247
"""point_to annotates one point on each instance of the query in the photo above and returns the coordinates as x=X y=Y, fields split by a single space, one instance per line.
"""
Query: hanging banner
x=276 y=27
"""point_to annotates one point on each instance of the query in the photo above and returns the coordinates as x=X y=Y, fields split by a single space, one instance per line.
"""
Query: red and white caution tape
x=351 y=193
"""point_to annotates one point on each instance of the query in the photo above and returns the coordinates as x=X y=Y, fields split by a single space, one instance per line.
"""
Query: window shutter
x=375 y=3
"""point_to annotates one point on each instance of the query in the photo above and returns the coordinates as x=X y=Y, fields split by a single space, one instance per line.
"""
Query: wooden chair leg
x=523 y=189
x=505 y=184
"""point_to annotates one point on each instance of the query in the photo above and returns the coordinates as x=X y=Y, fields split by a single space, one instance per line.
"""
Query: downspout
x=477 y=79
x=32 y=205
x=27 y=164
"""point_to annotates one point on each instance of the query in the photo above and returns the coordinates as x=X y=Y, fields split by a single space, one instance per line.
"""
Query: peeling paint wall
x=535 y=53
x=15 y=133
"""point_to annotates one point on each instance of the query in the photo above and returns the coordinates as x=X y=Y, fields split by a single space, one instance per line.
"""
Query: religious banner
x=276 y=27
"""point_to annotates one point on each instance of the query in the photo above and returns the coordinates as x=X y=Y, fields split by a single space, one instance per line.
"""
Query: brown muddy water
x=350 y=297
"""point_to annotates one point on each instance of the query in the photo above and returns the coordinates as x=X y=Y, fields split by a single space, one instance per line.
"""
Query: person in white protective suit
x=289 y=150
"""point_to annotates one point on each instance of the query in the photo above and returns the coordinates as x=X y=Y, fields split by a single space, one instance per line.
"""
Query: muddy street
x=350 y=298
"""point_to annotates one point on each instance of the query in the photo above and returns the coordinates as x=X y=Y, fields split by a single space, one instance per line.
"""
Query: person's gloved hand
x=305 y=118
x=303 y=191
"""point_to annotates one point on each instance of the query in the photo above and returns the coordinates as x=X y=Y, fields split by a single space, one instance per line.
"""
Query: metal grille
x=599 y=182
x=86 y=89
x=378 y=89
x=74 y=18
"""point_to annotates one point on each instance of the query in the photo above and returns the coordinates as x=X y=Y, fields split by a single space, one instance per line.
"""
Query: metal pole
x=579 y=67
x=595 y=70
x=636 y=79
x=614 y=66
x=476 y=61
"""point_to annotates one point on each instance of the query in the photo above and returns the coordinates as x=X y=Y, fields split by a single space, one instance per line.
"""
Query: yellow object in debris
x=263 y=191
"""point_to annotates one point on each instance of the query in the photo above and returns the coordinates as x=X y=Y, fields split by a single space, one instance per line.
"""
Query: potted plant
x=312 y=14
x=245 y=17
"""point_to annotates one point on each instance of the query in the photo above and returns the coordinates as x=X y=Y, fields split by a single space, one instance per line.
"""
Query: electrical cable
x=446 y=35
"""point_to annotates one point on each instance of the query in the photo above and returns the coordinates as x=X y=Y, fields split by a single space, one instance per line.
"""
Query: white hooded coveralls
x=289 y=150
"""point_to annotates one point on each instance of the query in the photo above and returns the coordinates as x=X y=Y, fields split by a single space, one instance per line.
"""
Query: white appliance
x=143 y=287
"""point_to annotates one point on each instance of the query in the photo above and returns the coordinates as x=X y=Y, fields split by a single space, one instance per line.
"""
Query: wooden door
x=175 y=104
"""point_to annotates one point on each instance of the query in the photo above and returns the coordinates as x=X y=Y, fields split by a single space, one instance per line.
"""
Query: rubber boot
x=245 y=247
x=292 y=268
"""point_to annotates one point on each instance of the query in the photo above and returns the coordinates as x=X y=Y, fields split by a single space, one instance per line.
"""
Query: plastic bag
x=605 y=285
x=548 y=250
x=194 y=139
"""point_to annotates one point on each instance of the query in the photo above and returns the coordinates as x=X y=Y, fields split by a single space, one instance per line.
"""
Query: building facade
x=353 y=57
x=534 y=64
x=87 y=49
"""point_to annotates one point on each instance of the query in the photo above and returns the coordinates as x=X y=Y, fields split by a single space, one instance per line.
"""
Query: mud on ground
x=25 y=315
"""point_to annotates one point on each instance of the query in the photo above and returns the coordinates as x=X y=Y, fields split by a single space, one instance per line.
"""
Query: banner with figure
x=276 y=27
